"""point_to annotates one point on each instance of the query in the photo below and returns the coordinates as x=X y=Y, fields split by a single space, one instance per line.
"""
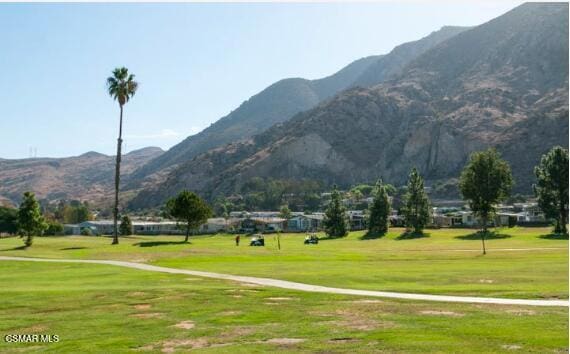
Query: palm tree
x=121 y=87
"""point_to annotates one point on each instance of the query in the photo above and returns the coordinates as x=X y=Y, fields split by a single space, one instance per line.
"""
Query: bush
x=54 y=229
x=86 y=231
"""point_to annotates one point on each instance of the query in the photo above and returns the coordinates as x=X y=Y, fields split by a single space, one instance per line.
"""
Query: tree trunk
x=562 y=220
x=117 y=180
x=187 y=233
x=484 y=232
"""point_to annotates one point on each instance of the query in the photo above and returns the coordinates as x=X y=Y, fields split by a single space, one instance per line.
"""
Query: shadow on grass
x=410 y=235
x=554 y=236
x=160 y=243
x=329 y=238
x=489 y=235
x=19 y=248
x=372 y=236
x=72 y=248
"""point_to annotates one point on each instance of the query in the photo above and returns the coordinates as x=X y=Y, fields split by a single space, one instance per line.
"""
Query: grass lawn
x=447 y=261
x=103 y=309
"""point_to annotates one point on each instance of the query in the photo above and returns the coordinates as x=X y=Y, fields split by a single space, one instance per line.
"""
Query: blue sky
x=195 y=62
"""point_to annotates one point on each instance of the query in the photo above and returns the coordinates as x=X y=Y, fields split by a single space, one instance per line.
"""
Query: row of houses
x=241 y=222
x=272 y=221
x=506 y=215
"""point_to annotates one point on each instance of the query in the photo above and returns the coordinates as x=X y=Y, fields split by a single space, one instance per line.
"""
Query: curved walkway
x=304 y=287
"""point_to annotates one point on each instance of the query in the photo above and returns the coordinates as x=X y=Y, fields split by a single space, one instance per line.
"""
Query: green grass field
x=98 y=308
x=440 y=264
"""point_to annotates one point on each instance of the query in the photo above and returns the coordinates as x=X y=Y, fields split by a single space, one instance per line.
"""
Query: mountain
x=392 y=64
x=502 y=84
x=282 y=100
x=89 y=176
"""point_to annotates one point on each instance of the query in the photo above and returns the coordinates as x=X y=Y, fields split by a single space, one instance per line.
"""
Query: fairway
x=114 y=308
x=96 y=308
x=521 y=263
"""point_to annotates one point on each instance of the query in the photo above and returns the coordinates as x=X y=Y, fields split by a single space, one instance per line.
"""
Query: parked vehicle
x=257 y=240
x=311 y=239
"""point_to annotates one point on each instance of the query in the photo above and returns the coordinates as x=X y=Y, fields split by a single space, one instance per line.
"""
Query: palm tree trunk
x=117 y=180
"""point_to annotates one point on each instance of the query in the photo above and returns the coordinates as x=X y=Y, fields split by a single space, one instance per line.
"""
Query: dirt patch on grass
x=486 y=281
x=360 y=324
x=358 y=321
x=367 y=301
x=442 y=313
x=142 y=306
x=511 y=347
x=147 y=315
x=185 y=325
x=33 y=329
x=237 y=296
x=284 y=341
x=136 y=293
x=231 y=313
x=170 y=346
x=521 y=312
x=280 y=298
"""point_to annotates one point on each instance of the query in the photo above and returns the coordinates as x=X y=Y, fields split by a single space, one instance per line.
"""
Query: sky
x=195 y=62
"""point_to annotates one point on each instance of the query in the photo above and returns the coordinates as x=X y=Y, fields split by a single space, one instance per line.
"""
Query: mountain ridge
x=503 y=84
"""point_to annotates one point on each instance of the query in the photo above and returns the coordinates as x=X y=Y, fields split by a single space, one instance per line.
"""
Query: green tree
x=54 y=228
x=126 y=227
x=379 y=211
x=551 y=187
x=416 y=203
x=188 y=208
x=285 y=212
x=335 y=221
x=121 y=86
x=30 y=219
x=8 y=220
x=485 y=181
x=74 y=213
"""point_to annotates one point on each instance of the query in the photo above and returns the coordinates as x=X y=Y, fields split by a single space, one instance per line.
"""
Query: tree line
x=485 y=182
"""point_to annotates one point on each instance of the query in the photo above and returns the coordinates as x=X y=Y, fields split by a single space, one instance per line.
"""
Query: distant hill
x=89 y=176
x=503 y=84
x=282 y=100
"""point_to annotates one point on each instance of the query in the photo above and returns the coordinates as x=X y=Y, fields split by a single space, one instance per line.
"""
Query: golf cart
x=257 y=240
x=311 y=239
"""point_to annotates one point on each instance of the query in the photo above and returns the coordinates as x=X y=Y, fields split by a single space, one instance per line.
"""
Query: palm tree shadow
x=160 y=243
x=411 y=235
x=489 y=235
x=19 y=248
x=554 y=236
x=73 y=248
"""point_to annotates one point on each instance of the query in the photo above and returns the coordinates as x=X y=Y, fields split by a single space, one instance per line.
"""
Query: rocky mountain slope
x=282 y=100
x=86 y=177
x=501 y=84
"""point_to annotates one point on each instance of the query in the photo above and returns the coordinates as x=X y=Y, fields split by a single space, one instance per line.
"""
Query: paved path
x=304 y=287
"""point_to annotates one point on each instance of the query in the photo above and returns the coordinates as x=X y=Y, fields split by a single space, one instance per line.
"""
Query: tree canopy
x=8 y=220
x=379 y=211
x=188 y=208
x=485 y=182
x=551 y=186
x=126 y=227
x=335 y=221
x=30 y=219
x=416 y=203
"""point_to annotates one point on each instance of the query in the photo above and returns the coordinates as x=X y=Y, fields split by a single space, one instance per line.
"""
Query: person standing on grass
x=237 y=240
